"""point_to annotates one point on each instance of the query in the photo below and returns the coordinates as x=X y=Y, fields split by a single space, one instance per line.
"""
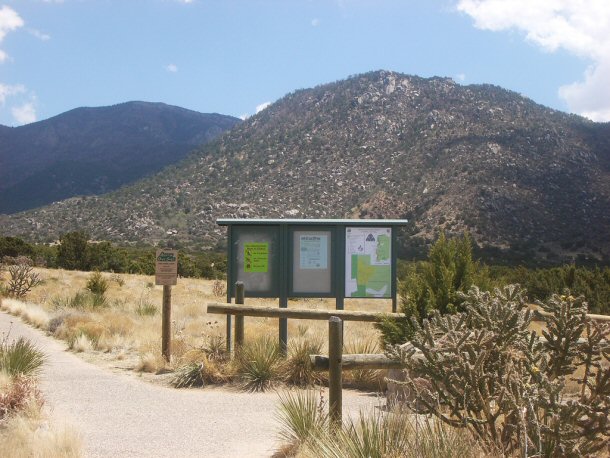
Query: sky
x=235 y=57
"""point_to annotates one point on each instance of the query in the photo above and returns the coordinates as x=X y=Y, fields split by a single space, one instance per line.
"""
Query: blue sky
x=230 y=56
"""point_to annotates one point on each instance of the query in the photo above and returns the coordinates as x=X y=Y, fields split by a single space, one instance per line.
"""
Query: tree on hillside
x=434 y=284
x=14 y=247
x=72 y=251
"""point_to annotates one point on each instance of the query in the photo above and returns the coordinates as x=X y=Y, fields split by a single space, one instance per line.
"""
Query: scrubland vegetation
x=25 y=430
x=496 y=383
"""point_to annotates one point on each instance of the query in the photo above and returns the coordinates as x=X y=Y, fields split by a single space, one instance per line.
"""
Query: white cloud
x=244 y=116
x=315 y=22
x=262 y=106
x=172 y=68
x=461 y=77
x=580 y=28
x=40 y=35
x=8 y=91
x=24 y=114
x=9 y=21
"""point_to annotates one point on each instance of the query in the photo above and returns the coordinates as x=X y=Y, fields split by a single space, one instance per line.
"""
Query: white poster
x=313 y=251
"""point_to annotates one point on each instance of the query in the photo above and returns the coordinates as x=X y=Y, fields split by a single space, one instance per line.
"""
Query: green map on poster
x=256 y=257
x=368 y=262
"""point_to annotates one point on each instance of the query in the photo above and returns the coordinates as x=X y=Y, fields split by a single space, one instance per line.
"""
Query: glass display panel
x=312 y=262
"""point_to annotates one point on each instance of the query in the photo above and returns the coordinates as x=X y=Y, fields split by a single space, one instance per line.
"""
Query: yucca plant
x=146 y=307
x=199 y=373
x=20 y=357
x=297 y=368
x=392 y=434
x=97 y=284
x=215 y=348
x=188 y=376
x=302 y=415
x=257 y=364
x=370 y=379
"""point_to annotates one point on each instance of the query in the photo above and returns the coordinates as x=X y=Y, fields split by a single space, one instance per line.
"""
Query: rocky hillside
x=96 y=150
x=522 y=178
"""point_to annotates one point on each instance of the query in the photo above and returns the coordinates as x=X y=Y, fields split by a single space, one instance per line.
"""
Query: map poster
x=368 y=262
x=313 y=251
x=256 y=257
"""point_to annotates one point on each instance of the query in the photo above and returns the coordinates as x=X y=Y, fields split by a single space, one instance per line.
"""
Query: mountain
x=96 y=150
x=526 y=181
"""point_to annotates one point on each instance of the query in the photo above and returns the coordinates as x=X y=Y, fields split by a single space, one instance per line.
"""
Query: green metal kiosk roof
x=312 y=222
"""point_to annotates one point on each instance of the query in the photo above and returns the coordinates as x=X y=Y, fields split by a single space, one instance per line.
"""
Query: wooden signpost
x=166 y=274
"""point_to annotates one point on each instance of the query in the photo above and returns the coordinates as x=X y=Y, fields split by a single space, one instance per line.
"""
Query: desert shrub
x=301 y=415
x=22 y=277
x=212 y=265
x=434 y=285
x=16 y=393
x=118 y=279
x=369 y=379
x=204 y=372
x=304 y=428
x=14 y=247
x=27 y=434
x=105 y=257
x=98 y=301
x=218 y=288
x=77 y=301
x=487 y=373
x=55 y=323
x=20 y=357
x=541 y=284
x=257 y=364
x=72 y=251
x=215 y=348
x=151 y=362
x=97 y=284
x=80 y=300
x=146 y=307
x=84 y=335
x=297 y=368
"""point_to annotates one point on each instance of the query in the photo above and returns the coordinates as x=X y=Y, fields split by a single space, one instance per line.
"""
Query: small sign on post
x=166 y=274
x=166 y=267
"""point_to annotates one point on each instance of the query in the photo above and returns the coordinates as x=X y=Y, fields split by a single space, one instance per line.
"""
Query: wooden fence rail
x=301 y=314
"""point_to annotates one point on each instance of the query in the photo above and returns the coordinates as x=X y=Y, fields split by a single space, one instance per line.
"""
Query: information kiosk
x=340 y=258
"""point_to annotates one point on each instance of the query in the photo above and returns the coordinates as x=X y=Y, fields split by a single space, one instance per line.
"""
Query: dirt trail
x=121 y=416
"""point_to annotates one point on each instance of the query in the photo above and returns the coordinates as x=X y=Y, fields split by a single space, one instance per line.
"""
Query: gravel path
x=121 y=416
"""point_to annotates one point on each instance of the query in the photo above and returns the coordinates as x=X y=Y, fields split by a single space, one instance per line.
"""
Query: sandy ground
x=119 y=415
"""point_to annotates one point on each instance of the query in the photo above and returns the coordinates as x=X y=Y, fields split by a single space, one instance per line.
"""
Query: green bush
x=541 y=284
x=297 y=368
x=146 y=307
x=20 y=357
x=301 y=415
x=305 y=431
x=72 y=251
x=257 y=364
x=97 y=284
x=434 y=285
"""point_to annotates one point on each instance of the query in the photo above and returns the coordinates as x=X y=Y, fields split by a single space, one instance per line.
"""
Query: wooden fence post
x=166 y=323
x=239 y=319
x=335 y=353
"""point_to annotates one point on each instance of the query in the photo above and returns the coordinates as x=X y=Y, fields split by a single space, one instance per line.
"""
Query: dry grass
x=30 y=434
x=129 y=330
x=30 y=313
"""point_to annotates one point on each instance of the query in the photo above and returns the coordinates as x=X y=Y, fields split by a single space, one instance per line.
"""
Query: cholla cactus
x=487 y=372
